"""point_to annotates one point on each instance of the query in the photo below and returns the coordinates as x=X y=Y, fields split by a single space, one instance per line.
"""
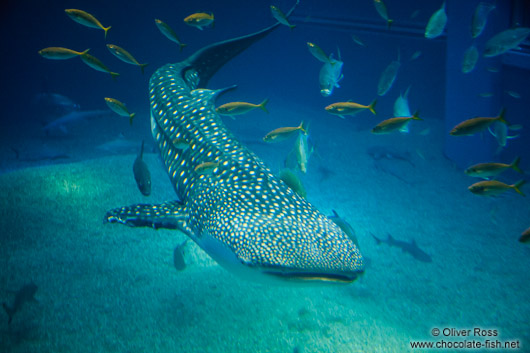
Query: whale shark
x=239 y=212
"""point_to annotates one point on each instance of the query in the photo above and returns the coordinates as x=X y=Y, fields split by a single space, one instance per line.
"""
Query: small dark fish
x=141 y=174
x=23 y=295
x=381 y=152
x=411 y=248
x=345 y=226
x=178 y=256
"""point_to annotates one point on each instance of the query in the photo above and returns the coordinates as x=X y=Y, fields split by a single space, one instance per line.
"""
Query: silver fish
x=500 y=132
x=506 y=40
x=436 y=24
x=480 y=17
x=241 y=214
x=330 y=75
x=401 y=105
x=470 y=59
x=388 y=76
x=383 y=12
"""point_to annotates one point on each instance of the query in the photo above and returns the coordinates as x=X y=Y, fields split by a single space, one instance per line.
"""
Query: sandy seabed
x=111 y=288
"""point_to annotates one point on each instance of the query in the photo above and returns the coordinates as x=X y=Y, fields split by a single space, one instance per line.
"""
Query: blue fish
x=241 y=214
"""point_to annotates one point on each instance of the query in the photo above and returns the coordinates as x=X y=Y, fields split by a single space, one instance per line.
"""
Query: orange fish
x=400 y=124
x=283 y=133
x=472 y=126
x=495 y=187
x=349 y=108
x=199 y=20
x=86 y=19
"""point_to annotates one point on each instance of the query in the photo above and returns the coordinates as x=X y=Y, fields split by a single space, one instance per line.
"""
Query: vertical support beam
x=463 y=92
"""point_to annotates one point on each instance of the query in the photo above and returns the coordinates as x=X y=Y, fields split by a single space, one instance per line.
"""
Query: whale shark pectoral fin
x=170 y=215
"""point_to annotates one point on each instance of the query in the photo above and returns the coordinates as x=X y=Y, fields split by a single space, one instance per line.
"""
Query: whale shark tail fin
x=210 y=59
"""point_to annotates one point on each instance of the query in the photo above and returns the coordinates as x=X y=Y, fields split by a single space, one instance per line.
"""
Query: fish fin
x=131 y=117
x=203 y=60
x=515 y=165
x=416 y=116
x=169 y=215
x=303 y=127
x=142 y=67
x=515 y=127
x=372 y=106
x=389 y=23
x=181 y=46
x=106 y=30
x=262 y=105
x=517 y=187
x=406 y=95
x=142 y=150
x=114 y=75
x=501 y=116
x=291 y=27
x=491 y=132
x=404 y=128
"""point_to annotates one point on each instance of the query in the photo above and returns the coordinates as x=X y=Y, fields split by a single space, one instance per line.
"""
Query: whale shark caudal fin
x=210 y=59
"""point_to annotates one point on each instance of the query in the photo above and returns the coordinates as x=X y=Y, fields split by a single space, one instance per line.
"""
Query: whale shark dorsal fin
x=210 y=59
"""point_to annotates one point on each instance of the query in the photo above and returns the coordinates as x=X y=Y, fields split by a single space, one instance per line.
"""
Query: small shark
x=240 y=213
x=72 y=117
x=119 y=145
x=22 y=296
x=411 y=248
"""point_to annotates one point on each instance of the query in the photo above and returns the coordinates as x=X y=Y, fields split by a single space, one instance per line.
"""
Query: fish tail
x=501 y=116
x=377 y=240
x=389 y=23
x=515 y=165
x=303 y=127
x=106 y=30
x=292 y=27
x=85 y=51
x=142 y=67
x=517 y=187
x=9 y=312
x=416 y=115
x=372 y=106
x=181 y=46
x=114 y=75
x=131 y=117
x=262 y=105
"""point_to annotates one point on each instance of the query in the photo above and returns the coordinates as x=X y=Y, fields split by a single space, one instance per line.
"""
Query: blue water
x=114 y=289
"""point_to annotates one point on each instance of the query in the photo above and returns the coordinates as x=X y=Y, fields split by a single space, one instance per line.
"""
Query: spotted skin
x=242 y=215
